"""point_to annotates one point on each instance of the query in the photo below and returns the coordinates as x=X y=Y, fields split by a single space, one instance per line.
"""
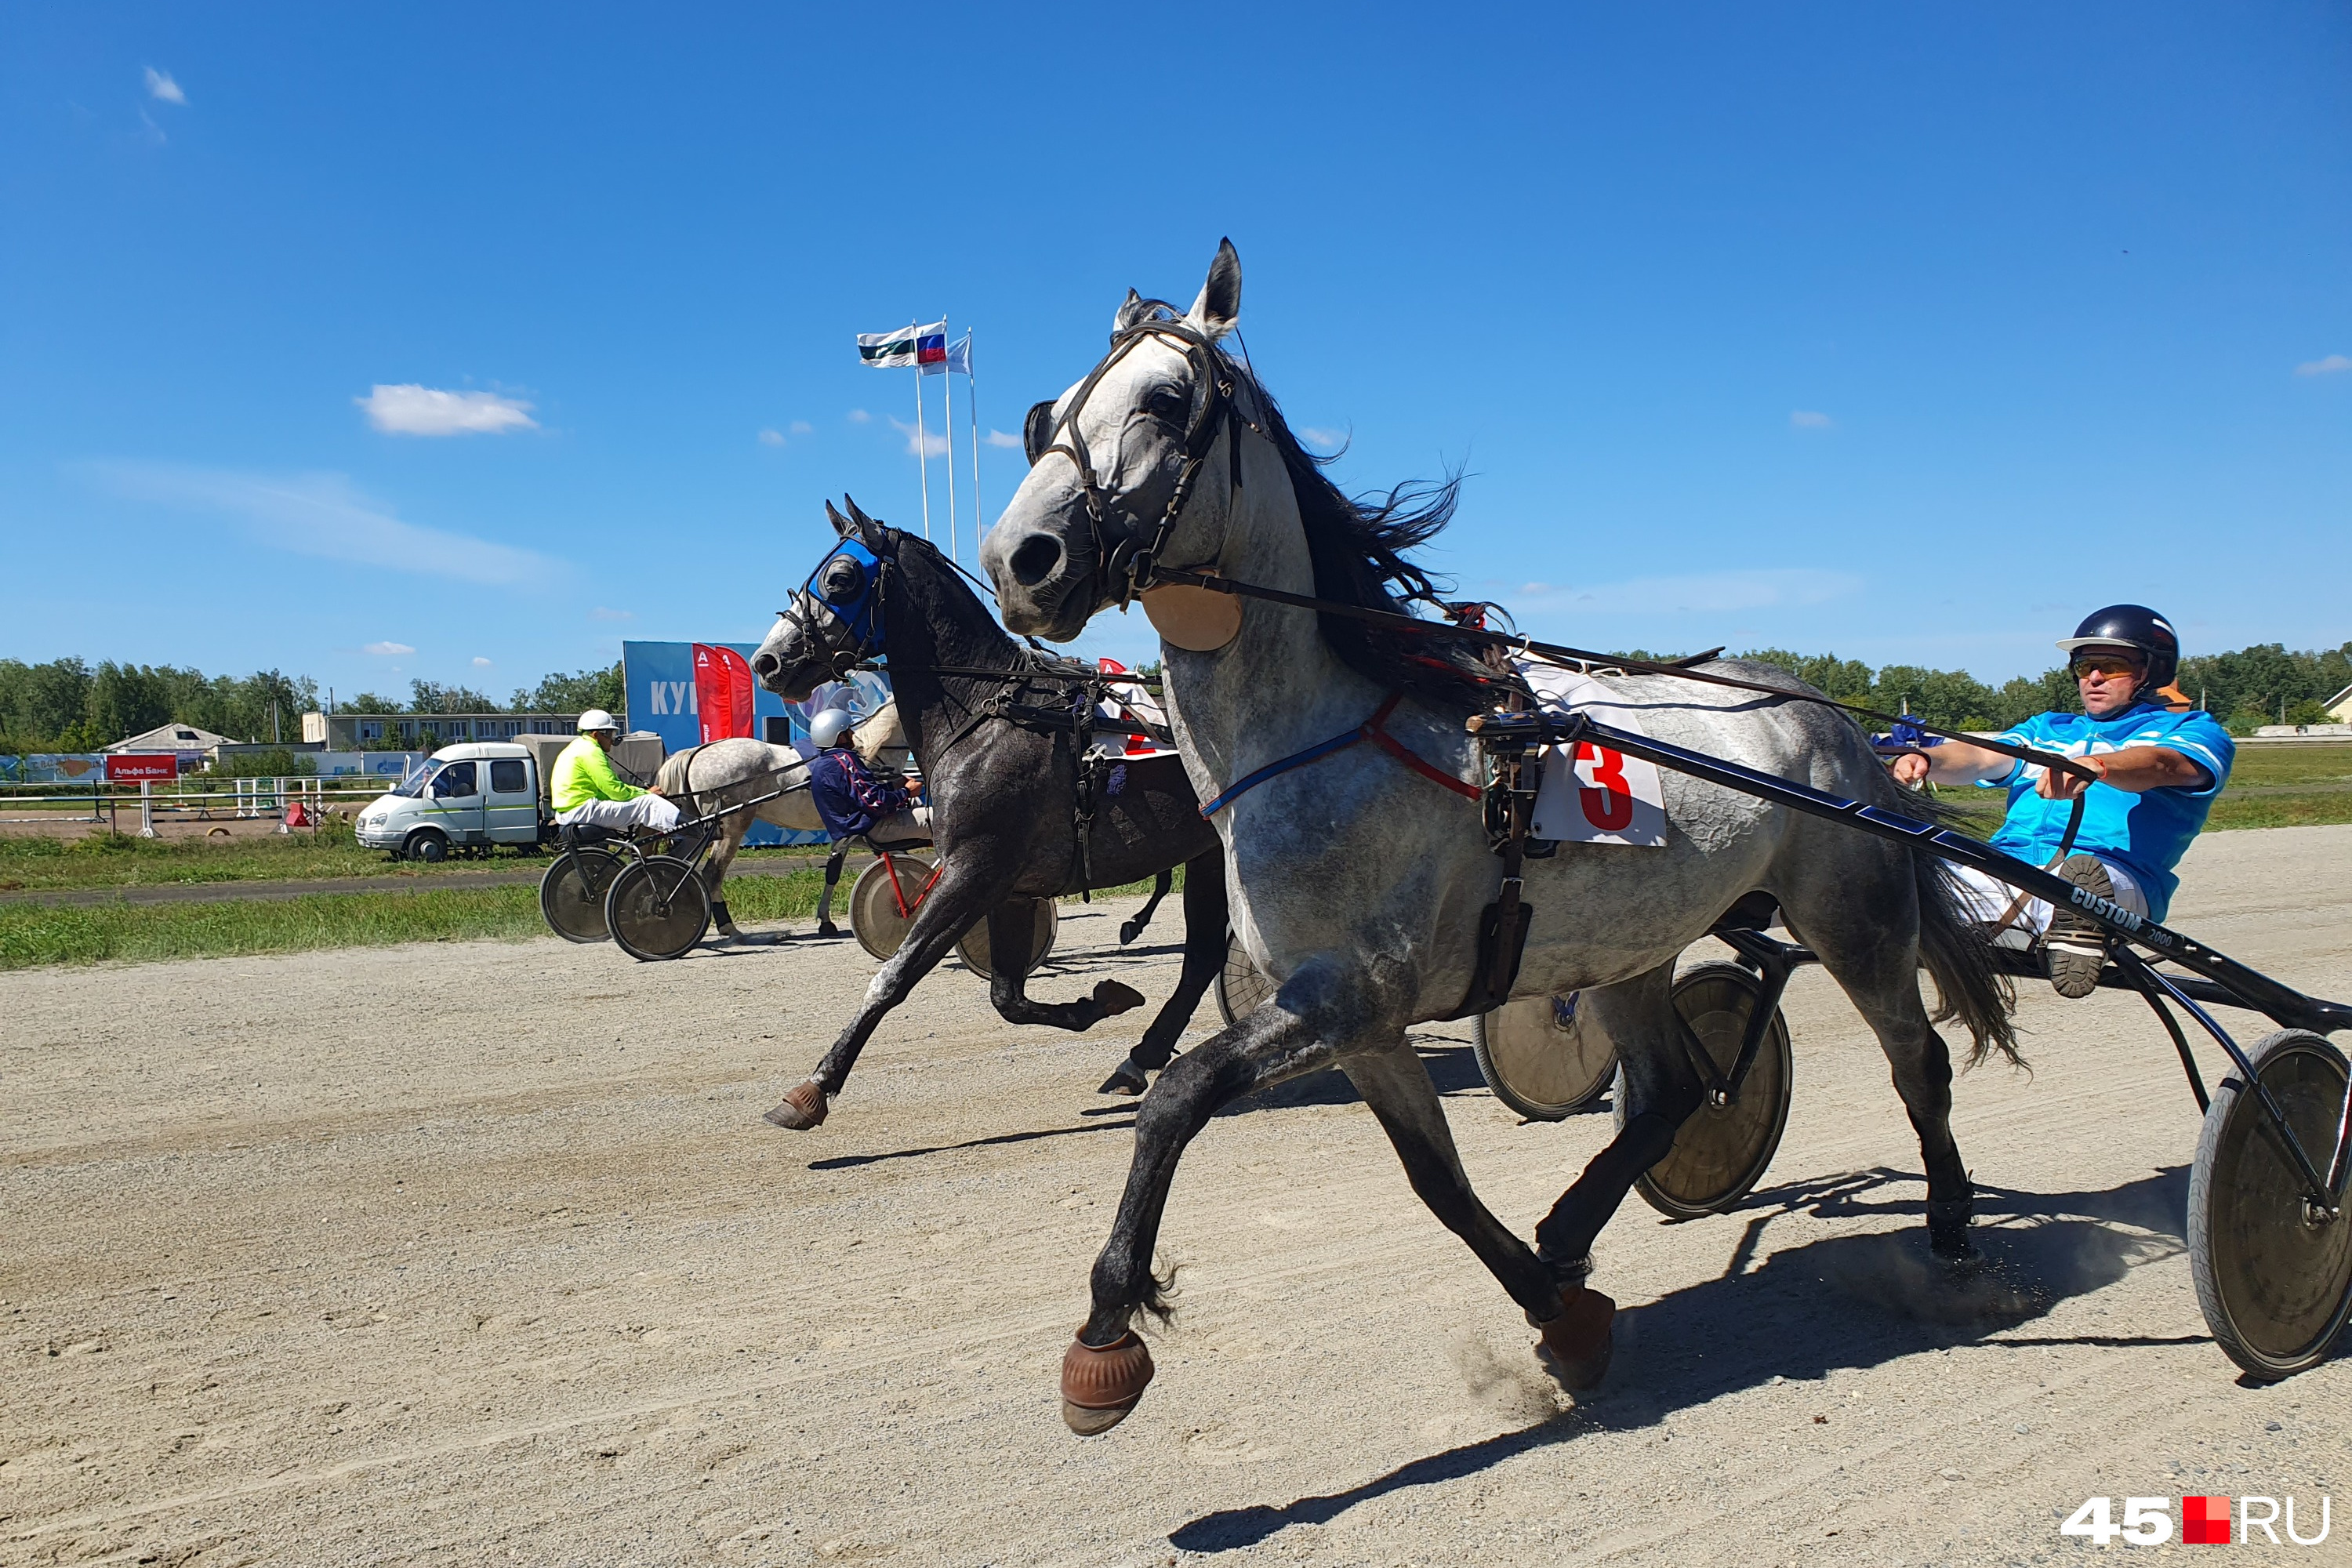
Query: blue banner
x=658 y=681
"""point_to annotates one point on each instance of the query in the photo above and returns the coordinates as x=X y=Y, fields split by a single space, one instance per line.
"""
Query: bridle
x=839 y=607
x=1127 y=564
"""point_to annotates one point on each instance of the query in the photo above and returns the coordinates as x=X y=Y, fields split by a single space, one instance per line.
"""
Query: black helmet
x=2132 y=626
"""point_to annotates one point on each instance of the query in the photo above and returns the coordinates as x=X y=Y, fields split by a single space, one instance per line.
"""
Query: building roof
x=172 y=738
x=2342 y=696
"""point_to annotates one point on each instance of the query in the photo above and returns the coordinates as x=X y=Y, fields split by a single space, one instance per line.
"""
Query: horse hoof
x=828 y=930
x=1128 y=931
x=1947 y=1228
x=1125 y=1078
x=1114 y=998
x=1100 y=1386
x=804 y=1105
x=1575 y=1346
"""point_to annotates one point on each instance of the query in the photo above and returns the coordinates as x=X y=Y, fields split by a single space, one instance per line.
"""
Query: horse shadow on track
x=1840 y=1302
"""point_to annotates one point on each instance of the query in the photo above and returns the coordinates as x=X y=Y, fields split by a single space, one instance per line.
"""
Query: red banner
x=141 y=767
x=722 y=692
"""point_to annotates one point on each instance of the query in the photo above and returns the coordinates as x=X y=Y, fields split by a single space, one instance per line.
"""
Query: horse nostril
x=763 y=665
x=1035 y=559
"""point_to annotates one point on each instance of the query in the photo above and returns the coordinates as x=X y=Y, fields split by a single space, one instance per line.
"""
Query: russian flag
x=931 y=344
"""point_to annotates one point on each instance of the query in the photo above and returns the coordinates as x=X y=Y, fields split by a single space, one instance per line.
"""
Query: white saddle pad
x=1598 y=795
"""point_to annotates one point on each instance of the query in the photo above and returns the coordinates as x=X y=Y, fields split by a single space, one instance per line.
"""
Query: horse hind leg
x=1205 y=915
x=833 y=863
x=1129 y=930
x=714 y=872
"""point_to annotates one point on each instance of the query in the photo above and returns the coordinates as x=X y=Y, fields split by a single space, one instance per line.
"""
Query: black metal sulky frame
x=2216 y=978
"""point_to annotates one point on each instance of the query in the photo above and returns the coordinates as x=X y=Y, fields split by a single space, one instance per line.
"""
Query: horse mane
x=1358 y=546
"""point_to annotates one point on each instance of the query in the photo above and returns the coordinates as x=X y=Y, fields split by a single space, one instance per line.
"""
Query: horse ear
x=1038 y=430
x=1220 y=304
x=1131 y=310
x=868 y=530
x=840 y=524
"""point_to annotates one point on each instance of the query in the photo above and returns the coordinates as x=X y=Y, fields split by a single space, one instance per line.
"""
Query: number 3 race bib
x=1598 y=795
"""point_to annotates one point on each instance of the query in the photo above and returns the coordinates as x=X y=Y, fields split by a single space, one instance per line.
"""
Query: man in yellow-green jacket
x=586 y=790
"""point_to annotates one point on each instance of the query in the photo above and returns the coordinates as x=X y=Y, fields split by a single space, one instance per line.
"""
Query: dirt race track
x=481 y=1254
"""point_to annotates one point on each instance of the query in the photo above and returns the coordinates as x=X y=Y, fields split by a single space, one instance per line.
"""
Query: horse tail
x=672 y=774
x=1956 y=951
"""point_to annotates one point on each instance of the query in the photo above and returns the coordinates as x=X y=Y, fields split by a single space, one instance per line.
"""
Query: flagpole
x=971 y=406
x=947 y=391
x=922 y=446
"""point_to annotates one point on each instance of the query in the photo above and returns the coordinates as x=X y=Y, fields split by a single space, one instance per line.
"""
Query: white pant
x=645 y=811
x=1985 y=899
x=913 y=826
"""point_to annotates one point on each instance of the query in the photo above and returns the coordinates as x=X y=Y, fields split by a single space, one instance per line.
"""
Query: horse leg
x=1875 y=961
x=714 y=872
x=1129 y=930
x=824 y=926
x=1204 y=954
x=1662 y=1090
x=964 y=889
x=1010 y=931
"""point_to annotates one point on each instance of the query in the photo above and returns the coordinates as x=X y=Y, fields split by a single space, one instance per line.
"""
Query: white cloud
x=1712 y=592
x=926 y=445
x=771 y=438
x=1807 y=419
x=322 y=515
x=802 y=427
x=600 y=614
x=2332 y=364
x=1321 y=438
x=858 y=416
x=481 y=663
x=413 y=410
x=160 y=85
x=999 y=438
x=387 y=650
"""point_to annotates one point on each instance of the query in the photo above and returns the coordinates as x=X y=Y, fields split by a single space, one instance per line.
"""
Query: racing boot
x=2074 y=949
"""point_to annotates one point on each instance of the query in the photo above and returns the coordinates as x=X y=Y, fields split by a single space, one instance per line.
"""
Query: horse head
x=835 y=619
x=1128 y=460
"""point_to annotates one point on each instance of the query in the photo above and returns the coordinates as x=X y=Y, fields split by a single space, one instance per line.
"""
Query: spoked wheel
x=571 y=894
x=1046 y=922
x=1542 y=1055
x=2274 y=1276
x=884 y=899
x=1720 y=1152
x=657 y=908
x=1239 y=985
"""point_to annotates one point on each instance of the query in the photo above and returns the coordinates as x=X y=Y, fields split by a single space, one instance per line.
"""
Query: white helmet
x=827 y=728
x=597 y=719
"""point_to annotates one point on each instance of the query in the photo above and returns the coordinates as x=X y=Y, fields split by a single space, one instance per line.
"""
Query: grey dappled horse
x=1003 y=802
x=1359 y=886
x=710 y=777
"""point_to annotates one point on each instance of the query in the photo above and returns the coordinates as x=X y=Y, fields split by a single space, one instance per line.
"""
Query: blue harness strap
x=1370 y=729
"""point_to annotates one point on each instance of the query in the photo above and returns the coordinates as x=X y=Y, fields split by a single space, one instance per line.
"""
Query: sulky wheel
x=2273 y=1275
x=657 y=908
x=1542 y=1055
x=884 y=899
x=1239 y=987
x=1720 y=1152
x=1045 y=921
x=571 y=894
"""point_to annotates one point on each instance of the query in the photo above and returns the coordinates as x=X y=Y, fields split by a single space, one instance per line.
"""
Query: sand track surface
x=481 y=1254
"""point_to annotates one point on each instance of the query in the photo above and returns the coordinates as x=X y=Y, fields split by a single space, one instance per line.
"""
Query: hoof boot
x=1114 y=998
x=1575 y=1346
x=1125 y=1078
x=1100 y=1386
x=804 y=1107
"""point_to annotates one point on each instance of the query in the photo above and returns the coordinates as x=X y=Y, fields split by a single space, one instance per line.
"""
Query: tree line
x=70 y=705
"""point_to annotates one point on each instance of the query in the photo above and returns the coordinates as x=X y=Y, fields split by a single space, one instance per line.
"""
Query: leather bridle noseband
x=1127 y=564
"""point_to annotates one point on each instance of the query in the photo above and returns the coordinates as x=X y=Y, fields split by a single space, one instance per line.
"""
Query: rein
x=1373 y=729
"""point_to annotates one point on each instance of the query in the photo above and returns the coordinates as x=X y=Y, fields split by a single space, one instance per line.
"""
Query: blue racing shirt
x=2146 y=834
x=848 y=798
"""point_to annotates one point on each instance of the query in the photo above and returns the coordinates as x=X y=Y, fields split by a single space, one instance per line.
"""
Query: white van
x=467 y=797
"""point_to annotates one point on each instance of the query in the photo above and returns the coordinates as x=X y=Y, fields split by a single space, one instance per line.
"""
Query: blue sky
x=1906 y=332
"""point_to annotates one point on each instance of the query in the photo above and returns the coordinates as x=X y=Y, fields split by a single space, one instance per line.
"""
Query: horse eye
x=1167 y=404
x=843 y=578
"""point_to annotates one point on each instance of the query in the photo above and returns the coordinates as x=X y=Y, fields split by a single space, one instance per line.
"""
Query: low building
x=2339 y=707
x=363 y=731
x=184 y=738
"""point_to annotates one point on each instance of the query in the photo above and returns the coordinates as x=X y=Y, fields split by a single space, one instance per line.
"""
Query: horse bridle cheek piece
x=1195 y=619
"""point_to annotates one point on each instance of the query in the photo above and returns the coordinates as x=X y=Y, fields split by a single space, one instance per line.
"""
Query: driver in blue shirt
x=2158 y=767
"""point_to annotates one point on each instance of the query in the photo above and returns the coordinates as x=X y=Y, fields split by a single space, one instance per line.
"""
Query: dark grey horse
x=1005 y=799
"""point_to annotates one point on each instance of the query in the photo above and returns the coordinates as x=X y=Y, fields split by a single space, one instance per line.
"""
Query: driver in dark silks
x=2160 y=764
x=851 y=800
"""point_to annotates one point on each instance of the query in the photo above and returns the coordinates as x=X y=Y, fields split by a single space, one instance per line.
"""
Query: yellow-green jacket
x=584 y=773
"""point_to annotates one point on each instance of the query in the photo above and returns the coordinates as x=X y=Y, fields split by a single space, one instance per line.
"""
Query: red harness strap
x=1380 y=737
